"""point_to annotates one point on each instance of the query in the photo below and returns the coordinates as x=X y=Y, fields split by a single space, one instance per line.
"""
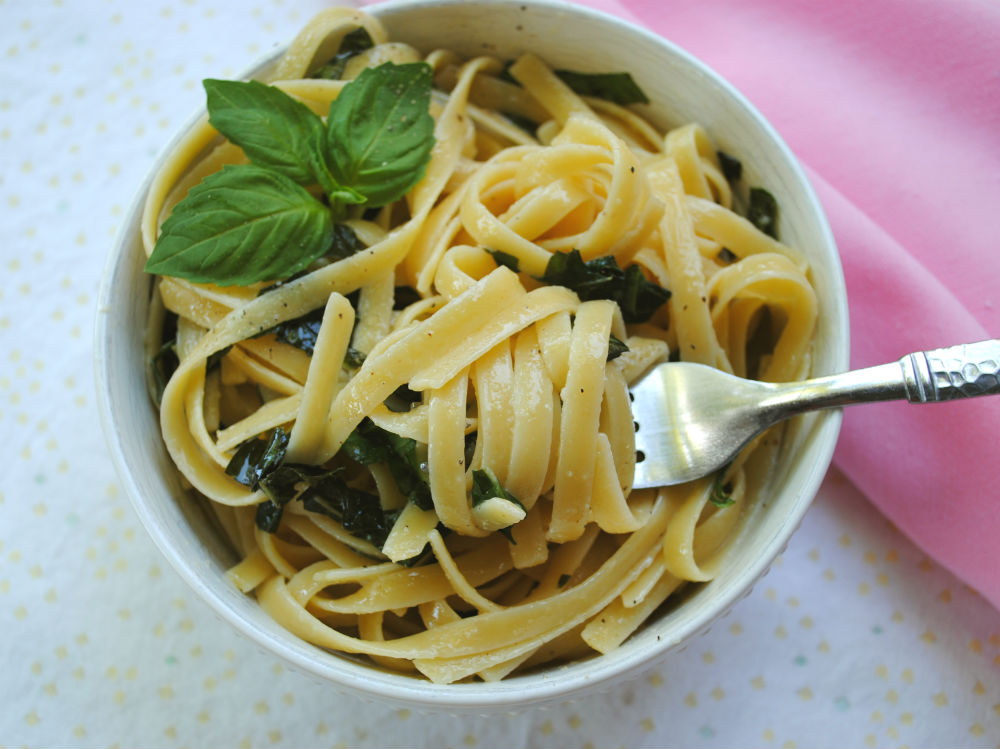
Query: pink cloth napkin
x=894 y=108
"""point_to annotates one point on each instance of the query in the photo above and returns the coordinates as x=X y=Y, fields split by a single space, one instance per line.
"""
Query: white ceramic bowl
x=682 y=90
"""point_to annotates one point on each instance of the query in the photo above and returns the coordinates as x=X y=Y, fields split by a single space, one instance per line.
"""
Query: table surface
x=854 y=638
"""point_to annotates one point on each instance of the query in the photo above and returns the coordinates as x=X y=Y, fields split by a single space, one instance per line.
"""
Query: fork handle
x=945 y=374
x=925 y=377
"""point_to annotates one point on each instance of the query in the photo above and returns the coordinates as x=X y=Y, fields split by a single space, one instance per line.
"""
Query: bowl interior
x=682 y=90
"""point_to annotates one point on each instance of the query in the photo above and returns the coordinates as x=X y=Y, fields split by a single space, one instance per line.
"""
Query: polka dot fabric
x=853 y=639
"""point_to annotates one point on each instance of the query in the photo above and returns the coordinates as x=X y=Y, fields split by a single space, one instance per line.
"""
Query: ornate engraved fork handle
x=945 y=374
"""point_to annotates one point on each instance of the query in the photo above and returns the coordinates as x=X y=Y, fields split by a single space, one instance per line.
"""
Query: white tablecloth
x=855 y=638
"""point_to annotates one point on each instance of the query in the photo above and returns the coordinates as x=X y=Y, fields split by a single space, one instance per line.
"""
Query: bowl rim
x=557 y=683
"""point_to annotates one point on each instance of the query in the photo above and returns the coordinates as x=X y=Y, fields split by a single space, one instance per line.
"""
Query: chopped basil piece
x=257 y=457
x=525 y=123
x=563 y=579
x=165 y=362
x=354 y=43
x=505 y=258
x=726 y=255
x=619 y=88
x=601 y=278
x=732 y=168
x=486 y=485
x=268 y=516
x=762 y=211
x=404 y=296
x=353 y=358
x=344 y=243
x=616 y=347
x=721 y=491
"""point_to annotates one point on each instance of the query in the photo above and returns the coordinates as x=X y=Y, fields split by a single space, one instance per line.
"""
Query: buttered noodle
x=516 y=368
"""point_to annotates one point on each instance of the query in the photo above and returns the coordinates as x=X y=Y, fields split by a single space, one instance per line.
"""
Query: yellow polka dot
x=976 y=729
x=78 y=672
x=805 y=693
x=470 y=739
x=757 y=682
x=647 y=725
x=975 y=646
x=845 y=540
x=925 y=565
x=882 y=579
x=209 y=683
x=979 y=688
x=907 y=675
x=829 y=574
x=891 y=696
x=945 y=595
x=51 y=596
x=36 y=668
x=204 y=717
x=767 y=735
x=166 y=692
x=288 y=698
x=891 y=732
x=708 y=657
x=735 y=628
x=881 y=671
x=897 y=615
x=717 y=693
x=770 y=594
x=870 y=739
x=574 y=721
x=119 y=697
x=690 y=700
x=940 y=699
x=789 y=744
x=780 y=632
x=906 y=719
x=929 y=637
x=806 y=622
x=32 y=718
x=870 y=557
x=547 y=727
x=79 y=732
x=261 y=708
x=995 y=640
x=40 y=509
x=655 y=679
x=864 y=589
x=823 y=647
x=50 y=689
x=170 y=732
x=793 y=602
x=814 y=554
x=322 y=727
x=876 y=716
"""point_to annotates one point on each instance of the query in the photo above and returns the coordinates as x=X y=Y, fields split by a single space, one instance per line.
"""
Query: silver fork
x=692 y=419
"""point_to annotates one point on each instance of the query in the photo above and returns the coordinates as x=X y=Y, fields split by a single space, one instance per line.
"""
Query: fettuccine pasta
x=506 y=376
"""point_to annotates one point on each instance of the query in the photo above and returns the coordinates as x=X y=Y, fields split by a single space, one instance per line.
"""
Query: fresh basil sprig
x=258 y=222
x=242 y=225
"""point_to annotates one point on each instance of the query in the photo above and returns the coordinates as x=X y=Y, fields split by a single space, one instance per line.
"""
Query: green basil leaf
x=239 y=226
x=505 y=258
x=257 y=457
x=732 y=168
x=616 y=347
x=601 y=278
x=380 y=133
x=273 y=129
x=619 y=88
x=762 y=211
